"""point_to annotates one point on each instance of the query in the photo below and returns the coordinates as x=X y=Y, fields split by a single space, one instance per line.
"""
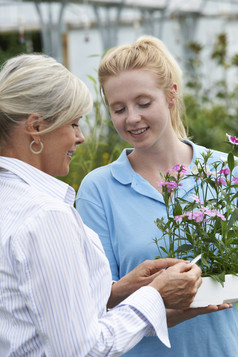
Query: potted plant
x=205 y=222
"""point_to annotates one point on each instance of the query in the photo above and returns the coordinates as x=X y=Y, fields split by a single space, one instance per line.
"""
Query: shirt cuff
x=148 y=301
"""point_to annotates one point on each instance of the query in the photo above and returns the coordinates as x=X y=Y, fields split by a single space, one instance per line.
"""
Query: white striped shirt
x=55 y=279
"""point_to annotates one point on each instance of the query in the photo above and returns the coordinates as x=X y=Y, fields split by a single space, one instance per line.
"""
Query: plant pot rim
x=211 y=292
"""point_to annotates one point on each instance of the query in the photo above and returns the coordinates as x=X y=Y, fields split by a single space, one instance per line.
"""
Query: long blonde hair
x=148 y=53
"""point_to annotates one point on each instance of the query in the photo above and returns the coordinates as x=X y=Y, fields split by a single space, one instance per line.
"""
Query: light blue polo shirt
x=121 y=207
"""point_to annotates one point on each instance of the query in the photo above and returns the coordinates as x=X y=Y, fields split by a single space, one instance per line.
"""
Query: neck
x=21 y=153
x=160 y=160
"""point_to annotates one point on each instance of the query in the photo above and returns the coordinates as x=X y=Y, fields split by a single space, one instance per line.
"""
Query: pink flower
x=170 y=185
x=197 y=216
x=235 y=180
x=220 y=181
x=176 y=168
x=196 y=198
x=179 y=168
x=220 y=215
x=184 y=170
x=209 y=212
x=213 y=213
x=233 y=139
x=178 y=218
x=225 y=171
x=162 y=183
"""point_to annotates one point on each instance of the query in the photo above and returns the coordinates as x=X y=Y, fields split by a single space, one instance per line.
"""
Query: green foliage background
x=10 y=44
x=211 y=112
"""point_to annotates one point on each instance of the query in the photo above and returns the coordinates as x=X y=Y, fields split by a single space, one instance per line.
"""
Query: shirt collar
x=124 y=173
x=39 y=179
x=121 y=168
x=197 y=151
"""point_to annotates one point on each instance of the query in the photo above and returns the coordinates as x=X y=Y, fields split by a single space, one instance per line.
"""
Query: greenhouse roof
x=203 y=7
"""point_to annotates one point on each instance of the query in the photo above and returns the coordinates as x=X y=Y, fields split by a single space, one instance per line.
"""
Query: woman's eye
x=119 y=111
x=74 y=125
x=145 y=105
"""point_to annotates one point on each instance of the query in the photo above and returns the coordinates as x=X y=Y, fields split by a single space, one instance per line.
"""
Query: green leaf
x=164 y=250
x=231 y=161
x=218 y=277
x=233 y=219
x=92 y=79
x=184 y=248
x=231 y=241
x=166 y=199
x=204 y=261
x=234 y=196
x=178 y=210
x=95 y=55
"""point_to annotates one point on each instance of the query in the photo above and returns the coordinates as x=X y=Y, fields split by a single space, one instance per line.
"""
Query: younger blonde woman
x=142 y=86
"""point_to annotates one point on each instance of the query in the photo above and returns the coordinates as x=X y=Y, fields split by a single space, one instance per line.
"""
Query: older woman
x=55 y=280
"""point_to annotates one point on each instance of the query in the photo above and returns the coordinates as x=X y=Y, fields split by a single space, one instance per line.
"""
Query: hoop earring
x=36 y=152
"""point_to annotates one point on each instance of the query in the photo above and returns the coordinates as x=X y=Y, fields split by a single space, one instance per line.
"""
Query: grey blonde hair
x=150 y=54
x=35 y=83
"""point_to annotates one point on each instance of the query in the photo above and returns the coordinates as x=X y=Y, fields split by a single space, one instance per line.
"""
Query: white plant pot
x=213 y=293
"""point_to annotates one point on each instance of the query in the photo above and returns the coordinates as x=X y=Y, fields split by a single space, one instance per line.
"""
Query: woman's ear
x=34 y=123
x=172 y=96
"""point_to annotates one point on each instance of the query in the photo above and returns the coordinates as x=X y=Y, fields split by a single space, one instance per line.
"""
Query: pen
x=195 y=260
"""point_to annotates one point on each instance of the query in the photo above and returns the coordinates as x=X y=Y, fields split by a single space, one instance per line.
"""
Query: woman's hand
x=175 y=316
x=178 y=285
x=140 y=276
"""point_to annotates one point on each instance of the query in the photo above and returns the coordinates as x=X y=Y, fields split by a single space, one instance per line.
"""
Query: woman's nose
x=79 y=137
x=133 y=116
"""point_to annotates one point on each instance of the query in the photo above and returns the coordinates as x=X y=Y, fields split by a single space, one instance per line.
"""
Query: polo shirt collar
x=121 y=168
x=123 y=172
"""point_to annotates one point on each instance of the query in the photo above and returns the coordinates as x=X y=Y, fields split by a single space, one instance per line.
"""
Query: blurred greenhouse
x=201 y=34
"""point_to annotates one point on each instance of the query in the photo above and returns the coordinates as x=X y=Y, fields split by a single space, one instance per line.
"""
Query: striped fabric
x=55 y=279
